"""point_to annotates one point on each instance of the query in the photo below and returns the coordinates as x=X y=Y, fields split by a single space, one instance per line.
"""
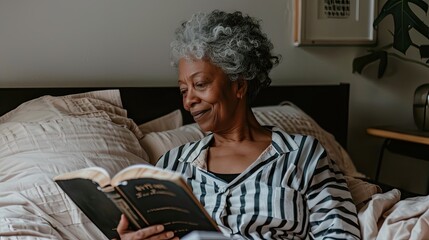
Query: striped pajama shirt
x=292 y=191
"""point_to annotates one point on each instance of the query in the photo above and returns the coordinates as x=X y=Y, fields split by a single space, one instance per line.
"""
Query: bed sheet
x=387 y=217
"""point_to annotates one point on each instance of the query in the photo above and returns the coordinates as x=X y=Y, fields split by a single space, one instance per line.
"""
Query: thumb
x=123 y=225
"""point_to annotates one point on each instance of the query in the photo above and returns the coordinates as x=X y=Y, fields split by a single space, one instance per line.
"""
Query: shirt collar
x=196 y=152
x=282 y=142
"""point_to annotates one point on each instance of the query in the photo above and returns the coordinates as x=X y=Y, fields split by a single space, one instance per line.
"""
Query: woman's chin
x=204 y=126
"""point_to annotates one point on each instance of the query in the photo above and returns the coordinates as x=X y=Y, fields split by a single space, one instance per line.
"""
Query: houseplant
x=404 y=20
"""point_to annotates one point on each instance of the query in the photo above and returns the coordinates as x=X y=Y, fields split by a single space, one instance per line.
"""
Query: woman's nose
x=189 y=99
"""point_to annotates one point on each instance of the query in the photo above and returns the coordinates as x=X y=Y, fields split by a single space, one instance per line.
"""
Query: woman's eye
x=183 y=91
x=200 y=85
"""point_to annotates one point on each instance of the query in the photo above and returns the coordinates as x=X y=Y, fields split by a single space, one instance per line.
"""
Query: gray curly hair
x=232 y=41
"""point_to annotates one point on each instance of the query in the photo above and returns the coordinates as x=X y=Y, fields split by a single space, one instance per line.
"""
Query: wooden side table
x=400 y=140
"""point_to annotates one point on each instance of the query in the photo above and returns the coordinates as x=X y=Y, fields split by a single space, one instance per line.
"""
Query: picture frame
x=334 y=22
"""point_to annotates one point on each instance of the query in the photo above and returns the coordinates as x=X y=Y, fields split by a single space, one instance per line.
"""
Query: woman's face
x=208 y=94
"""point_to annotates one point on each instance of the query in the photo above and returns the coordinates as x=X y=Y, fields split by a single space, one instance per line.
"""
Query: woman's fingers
x=152 y=232
x=149 y=233
x=163 y=236
x=123 y=225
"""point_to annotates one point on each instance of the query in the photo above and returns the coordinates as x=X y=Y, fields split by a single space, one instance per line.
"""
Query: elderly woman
x=257 y=182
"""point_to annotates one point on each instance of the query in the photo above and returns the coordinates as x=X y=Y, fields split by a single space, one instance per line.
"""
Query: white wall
x=126 y=43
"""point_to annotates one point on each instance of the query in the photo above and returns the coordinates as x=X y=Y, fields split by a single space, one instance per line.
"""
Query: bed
x=47 y=131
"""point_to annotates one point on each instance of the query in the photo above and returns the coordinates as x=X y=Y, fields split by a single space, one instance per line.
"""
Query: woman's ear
x=241 y=88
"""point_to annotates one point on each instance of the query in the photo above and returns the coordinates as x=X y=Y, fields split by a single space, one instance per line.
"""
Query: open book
x=147 y=195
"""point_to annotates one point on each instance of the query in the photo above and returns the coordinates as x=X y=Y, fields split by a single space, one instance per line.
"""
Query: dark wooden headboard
x=327 y=104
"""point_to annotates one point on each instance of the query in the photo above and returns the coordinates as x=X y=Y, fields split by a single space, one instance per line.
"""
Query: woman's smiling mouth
x=198 y=114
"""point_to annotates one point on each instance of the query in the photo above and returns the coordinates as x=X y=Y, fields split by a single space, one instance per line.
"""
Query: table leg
x=380 y=158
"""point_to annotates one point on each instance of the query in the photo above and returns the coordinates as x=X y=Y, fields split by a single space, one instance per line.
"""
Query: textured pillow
x=102 y=104
x=292 y=119
x=361 y=191
x=157 y=143
x=92 y=123
x=167 y=122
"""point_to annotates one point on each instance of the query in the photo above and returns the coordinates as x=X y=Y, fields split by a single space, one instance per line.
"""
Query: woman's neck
x=247 y=129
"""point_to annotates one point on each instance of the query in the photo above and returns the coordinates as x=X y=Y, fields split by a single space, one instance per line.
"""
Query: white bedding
x=62 y=134
x=386 y=217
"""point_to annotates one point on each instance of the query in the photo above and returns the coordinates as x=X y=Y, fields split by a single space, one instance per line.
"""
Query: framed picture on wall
x=334 y=22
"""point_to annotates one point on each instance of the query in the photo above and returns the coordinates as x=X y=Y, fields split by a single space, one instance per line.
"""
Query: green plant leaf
x=404 y=20
x=360 y=63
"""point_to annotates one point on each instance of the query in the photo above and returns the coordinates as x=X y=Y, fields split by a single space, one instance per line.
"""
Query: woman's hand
x=151 y=233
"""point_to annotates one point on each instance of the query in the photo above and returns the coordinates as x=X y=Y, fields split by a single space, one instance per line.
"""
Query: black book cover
x=166 y=202
x=87 y=195
x=145 y=194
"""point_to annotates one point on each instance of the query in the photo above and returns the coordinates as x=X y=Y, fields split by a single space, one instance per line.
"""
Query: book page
x=96 y=174
x=144 y=170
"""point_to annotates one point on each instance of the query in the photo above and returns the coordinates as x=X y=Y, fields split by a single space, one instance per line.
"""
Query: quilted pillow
x=293 y=120
x=91 y=126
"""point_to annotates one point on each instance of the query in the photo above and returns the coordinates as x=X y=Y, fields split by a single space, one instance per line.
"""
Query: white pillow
x=92 y=125
x=156 y=144
x=49 y=107
x=292 y=119
x=167 y=122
